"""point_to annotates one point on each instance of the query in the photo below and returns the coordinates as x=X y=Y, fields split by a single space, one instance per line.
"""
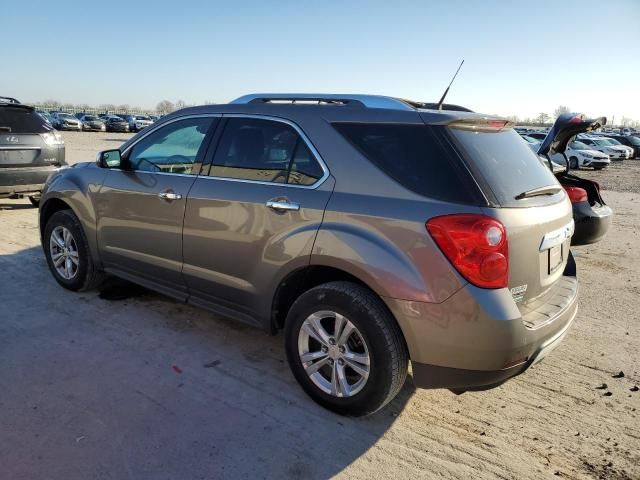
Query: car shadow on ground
x=24 y=204
x=127 y=383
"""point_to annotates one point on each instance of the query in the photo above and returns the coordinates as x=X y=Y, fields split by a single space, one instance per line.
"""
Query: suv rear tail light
x=576 y=194
x=476 y=245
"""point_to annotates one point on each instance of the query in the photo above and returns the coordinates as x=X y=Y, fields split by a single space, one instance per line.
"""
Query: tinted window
x=506 y=163
x=172 y=148
x=414 y=156
x=264 y=151
x=21 y=120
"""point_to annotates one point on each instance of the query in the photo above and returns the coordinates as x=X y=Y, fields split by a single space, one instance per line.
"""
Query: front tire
x=67 y=252
x=573 y=163
x=345 y=348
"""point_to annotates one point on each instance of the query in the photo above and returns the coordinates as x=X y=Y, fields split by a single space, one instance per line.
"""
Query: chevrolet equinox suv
x=372 y=230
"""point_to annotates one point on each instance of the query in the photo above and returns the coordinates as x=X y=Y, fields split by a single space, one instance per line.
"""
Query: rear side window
x=264 y=151
x=21 y=120
x=415 y=156
x=505 y=162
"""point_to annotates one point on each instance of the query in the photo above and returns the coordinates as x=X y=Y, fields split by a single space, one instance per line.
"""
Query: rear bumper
x=21 y=181
x=591 y=223
x=477 y=339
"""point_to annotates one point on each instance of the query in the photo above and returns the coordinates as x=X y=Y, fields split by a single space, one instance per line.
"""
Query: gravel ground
x=145 y=387
x=619 y=176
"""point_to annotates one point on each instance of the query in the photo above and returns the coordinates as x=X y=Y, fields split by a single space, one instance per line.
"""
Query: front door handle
x=282 y=205
x=170 y=196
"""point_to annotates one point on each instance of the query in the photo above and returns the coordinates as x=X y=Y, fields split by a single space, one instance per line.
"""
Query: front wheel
x=345 y=349
x=573 y=163
x=67 y=252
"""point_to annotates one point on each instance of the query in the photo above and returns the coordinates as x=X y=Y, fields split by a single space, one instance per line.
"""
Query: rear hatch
x=26 y=139
x=524 y=195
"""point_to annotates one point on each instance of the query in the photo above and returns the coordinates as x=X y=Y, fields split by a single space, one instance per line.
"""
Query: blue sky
x=520 y=57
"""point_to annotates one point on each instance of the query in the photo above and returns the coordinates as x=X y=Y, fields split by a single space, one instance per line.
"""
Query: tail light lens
x=476 y=245
x=576 y=194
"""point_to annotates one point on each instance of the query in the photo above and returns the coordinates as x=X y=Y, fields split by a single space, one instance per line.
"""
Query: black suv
x=30 y=150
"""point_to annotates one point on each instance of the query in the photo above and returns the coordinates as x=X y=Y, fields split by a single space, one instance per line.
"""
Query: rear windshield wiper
x=537 y=192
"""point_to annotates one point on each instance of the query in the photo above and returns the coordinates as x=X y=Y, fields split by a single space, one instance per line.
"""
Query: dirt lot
x=145 y=387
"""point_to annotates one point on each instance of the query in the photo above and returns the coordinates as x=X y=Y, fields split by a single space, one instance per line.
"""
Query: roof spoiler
x=566 y=127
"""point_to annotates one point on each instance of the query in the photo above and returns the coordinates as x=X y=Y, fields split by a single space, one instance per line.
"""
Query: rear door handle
x=169 y=196
x=283 y=205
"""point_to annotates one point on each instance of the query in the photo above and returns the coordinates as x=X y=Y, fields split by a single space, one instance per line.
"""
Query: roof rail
x=8 y=100
x=366 y=101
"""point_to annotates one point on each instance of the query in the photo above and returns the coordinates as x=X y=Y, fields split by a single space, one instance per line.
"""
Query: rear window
x=505 y=162
x=415 y=156
x=21 y=120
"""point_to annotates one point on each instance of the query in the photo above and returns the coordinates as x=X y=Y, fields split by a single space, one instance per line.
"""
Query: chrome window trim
x=303 y=136
x=299 y=131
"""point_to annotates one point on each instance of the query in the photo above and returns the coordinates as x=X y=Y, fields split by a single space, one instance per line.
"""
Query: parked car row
x=594 y=149
x=100 y=123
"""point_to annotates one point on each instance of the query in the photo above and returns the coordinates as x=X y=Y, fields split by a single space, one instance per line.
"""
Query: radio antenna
x=450 y=83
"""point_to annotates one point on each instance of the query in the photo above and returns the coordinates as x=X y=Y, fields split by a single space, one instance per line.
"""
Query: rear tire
x=348 y=330
x=64 y=239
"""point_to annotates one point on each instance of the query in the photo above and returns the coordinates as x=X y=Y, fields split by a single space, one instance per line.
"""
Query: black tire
x=573 y=163
x=35 y=201
x=87 y=276
x=380 y=332
x=598 y=168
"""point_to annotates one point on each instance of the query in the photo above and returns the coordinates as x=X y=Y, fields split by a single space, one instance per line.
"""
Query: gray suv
x=371 y=230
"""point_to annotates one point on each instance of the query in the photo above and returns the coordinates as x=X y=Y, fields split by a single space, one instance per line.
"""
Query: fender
x=76 y=186
x=417 y=272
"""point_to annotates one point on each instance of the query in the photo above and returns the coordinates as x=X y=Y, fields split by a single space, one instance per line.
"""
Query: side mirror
x=109 y=159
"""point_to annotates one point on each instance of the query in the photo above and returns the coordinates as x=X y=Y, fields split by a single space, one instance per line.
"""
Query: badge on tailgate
x=557 y=237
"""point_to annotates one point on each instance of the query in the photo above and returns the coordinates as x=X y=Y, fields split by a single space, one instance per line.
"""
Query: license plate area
x=555 y=257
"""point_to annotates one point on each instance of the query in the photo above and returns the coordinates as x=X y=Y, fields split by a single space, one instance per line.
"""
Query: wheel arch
x=301 y=280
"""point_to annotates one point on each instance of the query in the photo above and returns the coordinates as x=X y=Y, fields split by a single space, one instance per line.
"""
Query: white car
x=604 y=145
x=581 y=155
x=138 y=122
x=578 y=153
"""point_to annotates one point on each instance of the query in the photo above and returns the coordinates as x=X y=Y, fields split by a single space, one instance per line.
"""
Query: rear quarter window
x=415 y=156
x=21 y=120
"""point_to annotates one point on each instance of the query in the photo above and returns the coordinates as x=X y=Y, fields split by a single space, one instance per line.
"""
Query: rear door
x=141 y=206
x=254 y=216
x=526 y=197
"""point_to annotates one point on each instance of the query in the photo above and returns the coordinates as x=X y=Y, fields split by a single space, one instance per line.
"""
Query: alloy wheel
x=64 y=252
x=334 y=354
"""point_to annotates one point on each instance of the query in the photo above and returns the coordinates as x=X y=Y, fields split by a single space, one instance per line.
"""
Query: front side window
x=172 y=148
x=264 y=151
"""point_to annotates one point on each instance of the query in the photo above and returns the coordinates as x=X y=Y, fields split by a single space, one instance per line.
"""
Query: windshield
x=633 y=140
x=578 y=146
x=90 y=118
x=530 y=139
x=142 y=117
x=66 y=115
x=507 y=164
x=613 y=141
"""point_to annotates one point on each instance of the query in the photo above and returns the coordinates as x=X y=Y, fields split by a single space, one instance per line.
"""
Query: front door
x=141 y=206
x=253 y=217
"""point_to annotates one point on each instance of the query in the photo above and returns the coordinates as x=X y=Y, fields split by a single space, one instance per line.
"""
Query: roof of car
x=335 y=107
